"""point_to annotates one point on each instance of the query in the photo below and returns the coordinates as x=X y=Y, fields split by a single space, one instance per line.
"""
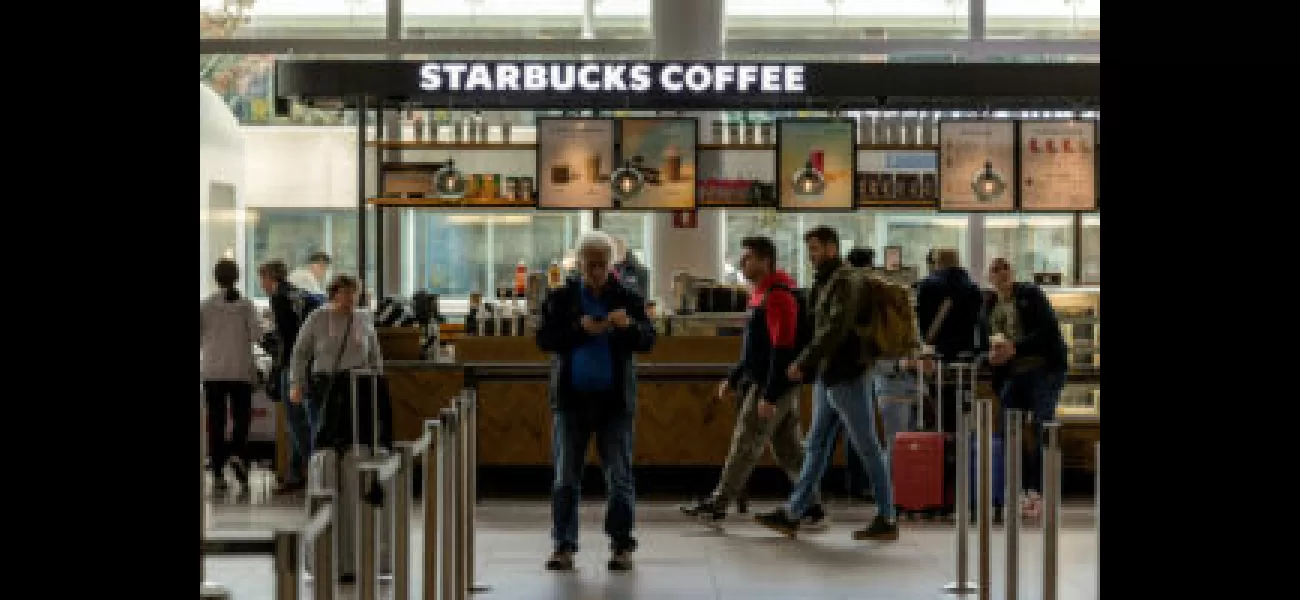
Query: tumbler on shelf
x=505 y=132
x=716 y=129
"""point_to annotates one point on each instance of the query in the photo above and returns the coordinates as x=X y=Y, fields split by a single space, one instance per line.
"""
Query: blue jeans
x=896 y=414
x=851 y=402
x=1037 y=392
x=571 y=430
x=303 y=419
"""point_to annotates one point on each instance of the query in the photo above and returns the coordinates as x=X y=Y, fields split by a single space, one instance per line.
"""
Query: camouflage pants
x=752 y=434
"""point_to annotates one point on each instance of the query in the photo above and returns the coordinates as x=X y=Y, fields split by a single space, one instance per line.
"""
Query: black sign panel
x=669 y=85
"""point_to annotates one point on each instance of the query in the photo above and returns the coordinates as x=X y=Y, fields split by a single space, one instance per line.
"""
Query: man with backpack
x=290 y=306
x=769 y=413
x=856 y=319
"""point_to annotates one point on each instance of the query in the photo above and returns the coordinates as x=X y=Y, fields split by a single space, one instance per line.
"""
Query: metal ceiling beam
x=882 y=46
x=445 y=46
x=619 y=47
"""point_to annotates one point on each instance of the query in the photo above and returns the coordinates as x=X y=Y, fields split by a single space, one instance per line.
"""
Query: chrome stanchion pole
x=452 y=586
x=463 y=508
x=288 y=571
x=1097 y=511
x=432 y=505
x=325 y=584
x=961 y=503
x=1011 y=450
x=402 y=523
x=984 y=452
x=367 y=540
x=471 y=492
x=1051 y=507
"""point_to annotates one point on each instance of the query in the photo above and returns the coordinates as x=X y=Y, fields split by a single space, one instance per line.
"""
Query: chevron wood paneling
x=418 y=394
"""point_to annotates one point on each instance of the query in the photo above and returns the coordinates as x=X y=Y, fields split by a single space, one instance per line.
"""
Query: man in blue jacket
x=1028 y=355
x=948 y=313
x=593 y=326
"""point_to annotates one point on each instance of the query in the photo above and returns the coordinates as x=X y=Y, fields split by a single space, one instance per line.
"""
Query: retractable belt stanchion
x=984 y=454
x=432 y=506
x=1051 y=507
x=471 y=491
x=961 y=502
x=320 y=536
x=288 y=580
x=1097 y=511
x=453 y=588
x=371 y=473
x=1011 y=451
x=463 y=507
x=404 y=504
x=207 y=591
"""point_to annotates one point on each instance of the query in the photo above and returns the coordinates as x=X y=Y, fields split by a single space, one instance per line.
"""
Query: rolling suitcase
x=917 y=463
x=335 y=473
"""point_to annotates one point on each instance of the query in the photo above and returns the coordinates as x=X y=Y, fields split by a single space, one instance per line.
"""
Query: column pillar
x=687 y=30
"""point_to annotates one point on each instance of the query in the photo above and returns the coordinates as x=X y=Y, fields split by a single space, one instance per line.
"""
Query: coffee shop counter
x=677 y=422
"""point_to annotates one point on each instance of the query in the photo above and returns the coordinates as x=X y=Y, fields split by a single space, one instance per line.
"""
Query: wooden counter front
x=677 y=424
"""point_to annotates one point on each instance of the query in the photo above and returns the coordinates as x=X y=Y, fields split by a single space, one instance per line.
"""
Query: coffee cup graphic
x=560 y=174
x=672 y=164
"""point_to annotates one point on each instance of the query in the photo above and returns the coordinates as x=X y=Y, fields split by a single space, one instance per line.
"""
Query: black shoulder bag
x=331 y=390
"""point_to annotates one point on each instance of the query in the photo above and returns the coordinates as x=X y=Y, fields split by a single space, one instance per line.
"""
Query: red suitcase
x=922 y=462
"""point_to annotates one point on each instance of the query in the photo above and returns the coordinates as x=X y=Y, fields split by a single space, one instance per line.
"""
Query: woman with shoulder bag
x=335 y=340
x=228 y=328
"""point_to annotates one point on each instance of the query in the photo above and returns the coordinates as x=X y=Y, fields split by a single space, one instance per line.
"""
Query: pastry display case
x=1079 y=311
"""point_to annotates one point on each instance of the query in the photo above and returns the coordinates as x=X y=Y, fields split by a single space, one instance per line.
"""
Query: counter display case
x=1079 y=311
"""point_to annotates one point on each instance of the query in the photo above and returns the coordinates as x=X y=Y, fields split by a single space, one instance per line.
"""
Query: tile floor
x=682 y=559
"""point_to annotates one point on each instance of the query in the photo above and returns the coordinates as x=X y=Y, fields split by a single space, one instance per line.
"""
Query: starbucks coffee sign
x=612 y=77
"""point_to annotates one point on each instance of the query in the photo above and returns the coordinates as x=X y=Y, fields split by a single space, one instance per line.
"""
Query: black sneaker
x=709 y=510
x=815 y=519
x=620 y=560
x=880 y=530
x=560 y=561
x=779 y=521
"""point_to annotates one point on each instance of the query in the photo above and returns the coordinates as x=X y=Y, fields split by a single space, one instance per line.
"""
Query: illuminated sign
x=698 y=78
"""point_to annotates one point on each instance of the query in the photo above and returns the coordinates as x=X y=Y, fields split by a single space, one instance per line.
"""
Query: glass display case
x=1079 y=311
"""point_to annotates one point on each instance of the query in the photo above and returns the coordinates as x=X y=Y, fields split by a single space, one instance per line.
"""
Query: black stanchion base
x=479 y=588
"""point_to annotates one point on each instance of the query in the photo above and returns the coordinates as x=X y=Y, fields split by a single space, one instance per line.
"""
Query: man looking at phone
x=593 y=326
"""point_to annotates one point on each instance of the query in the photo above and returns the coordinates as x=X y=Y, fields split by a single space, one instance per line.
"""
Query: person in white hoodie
x=228 y=328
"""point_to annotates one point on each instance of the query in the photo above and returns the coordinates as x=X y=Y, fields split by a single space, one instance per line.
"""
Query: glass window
x=1032 y=243
x=879 y=19
x=244 y=82
x=638 y=230
x=1043 y=19
x=291 y=234
x=498 y=19
x=915 y=232
x=463 y=252
x=1090 y=249
x=275 y=19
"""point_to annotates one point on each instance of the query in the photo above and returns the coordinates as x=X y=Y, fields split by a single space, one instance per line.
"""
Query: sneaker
x=779 y=521
x=815 y=519
x=241 y=472
x=709 y=510
x=560 y=561
x=620 y=560
x=880 y=530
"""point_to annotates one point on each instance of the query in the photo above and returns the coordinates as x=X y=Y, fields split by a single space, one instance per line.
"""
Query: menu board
x=964 y=148
x=826 y=144
x=1058 y=167
x=663 y=150
x=574 y=160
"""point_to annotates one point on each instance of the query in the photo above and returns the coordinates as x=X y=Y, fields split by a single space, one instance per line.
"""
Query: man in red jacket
x=769 y=413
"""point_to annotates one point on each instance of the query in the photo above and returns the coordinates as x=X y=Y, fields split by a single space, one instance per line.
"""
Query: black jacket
x=839 y=358
x=960 y=331
x=768 y=343
x=287 y=323
x=633 y=274
x=559 y=331
x=1039 y=332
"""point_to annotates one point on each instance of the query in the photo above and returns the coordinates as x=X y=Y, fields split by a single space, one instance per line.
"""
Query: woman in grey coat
x=333 y=341
x=228 y=328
